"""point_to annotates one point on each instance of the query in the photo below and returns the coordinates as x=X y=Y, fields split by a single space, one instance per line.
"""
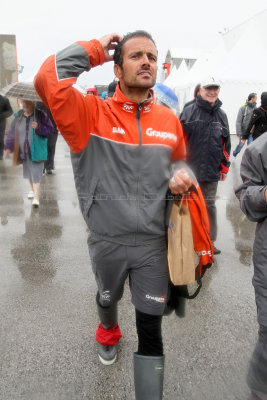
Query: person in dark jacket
x=208 y=145
x=5 y=112
x=258 y=123
x=252 y=194
x=243 y=118
x=49 y=164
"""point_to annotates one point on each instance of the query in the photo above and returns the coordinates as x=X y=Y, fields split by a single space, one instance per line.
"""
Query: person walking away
x=252 y=194
x=123 y=150
x=243 y=118
x=49 y=164
x=5 y=112
x=208 y=145
x=27 y=138
x=258 y=122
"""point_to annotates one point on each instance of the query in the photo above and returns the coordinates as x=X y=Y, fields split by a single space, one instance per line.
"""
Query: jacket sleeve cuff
x=95 y=52
x=224 y=169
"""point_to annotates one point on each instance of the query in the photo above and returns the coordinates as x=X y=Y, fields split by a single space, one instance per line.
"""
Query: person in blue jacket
x=27 y=139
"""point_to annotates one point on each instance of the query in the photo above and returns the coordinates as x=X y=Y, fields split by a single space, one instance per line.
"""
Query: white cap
x=211 y=81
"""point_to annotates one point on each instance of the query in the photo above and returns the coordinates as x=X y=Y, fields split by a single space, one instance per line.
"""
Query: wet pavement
x=48 y=314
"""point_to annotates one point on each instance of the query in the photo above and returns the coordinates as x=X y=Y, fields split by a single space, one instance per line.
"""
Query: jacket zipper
x=138 y=113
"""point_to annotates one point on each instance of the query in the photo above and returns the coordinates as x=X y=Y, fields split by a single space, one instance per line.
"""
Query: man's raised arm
x=54 y=83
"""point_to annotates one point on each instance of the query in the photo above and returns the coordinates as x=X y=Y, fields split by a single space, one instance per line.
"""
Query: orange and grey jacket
x=122 y=152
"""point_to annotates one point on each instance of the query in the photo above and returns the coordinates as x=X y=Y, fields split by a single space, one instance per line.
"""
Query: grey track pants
x=146 y=266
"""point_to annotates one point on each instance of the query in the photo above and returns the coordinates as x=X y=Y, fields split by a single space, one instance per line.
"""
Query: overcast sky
x=42 y=28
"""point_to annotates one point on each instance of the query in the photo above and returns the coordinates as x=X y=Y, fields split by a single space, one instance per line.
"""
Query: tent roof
x=179 y=53
x=240 y=54
x=177 y=75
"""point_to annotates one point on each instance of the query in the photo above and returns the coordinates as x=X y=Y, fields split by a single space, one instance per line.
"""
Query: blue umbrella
x=166 y=95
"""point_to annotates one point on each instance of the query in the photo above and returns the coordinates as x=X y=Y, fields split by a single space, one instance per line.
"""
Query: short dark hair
x=251 y=95
x=118 y=50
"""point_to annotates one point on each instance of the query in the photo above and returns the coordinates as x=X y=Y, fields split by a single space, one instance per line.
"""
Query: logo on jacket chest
x=116 y=129
x=161 y=135
x=128 y=107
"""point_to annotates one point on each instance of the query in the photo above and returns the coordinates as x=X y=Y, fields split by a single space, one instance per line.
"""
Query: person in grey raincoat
x=243 y=119
x=252 y=195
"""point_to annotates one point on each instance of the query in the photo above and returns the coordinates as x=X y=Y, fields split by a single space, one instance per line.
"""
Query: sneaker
x=215 y=250
x=35 y=203
x=107 y=354
x=49 y=171
x=30 y=195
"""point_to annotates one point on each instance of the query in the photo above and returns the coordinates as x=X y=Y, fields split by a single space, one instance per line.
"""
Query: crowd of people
x=125 y=148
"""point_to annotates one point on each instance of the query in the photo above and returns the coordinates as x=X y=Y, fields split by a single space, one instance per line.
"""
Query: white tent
x=238 y=62
x=176 y=78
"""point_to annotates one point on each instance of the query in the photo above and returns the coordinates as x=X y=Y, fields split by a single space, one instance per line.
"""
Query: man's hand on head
x=180 y=182
x=109 y=42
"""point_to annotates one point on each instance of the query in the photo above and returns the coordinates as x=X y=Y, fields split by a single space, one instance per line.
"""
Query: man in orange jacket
x=123 y=152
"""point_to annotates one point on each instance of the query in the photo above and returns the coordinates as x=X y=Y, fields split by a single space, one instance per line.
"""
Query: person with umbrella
x=27 y=139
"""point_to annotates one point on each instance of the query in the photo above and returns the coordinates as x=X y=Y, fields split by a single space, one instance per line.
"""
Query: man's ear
x=117 y=71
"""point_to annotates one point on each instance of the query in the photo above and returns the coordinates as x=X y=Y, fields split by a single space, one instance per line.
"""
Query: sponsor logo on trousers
x=159 y=299
x=105 y=295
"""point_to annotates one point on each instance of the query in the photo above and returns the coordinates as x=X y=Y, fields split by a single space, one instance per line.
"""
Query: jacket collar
x=205 y=105
x=18 y=113
x=131 y=106
x=251 y=105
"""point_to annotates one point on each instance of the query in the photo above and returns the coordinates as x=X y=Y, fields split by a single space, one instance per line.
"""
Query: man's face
x=254 y=99
x=210 y=94
x=139 y=67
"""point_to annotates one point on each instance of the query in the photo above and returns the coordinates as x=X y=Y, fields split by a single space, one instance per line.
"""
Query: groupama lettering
x=163 y=135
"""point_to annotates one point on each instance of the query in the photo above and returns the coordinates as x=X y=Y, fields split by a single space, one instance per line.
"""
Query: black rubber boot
x=148 y=377
x=109 y=318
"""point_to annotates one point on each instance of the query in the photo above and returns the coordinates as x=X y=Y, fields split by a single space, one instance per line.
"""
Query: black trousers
x=209 y=190
x=51 y=149
x=149 y=334
x=2 y=136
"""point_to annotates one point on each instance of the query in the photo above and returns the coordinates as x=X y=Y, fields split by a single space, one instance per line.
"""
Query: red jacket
x=121 y=151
